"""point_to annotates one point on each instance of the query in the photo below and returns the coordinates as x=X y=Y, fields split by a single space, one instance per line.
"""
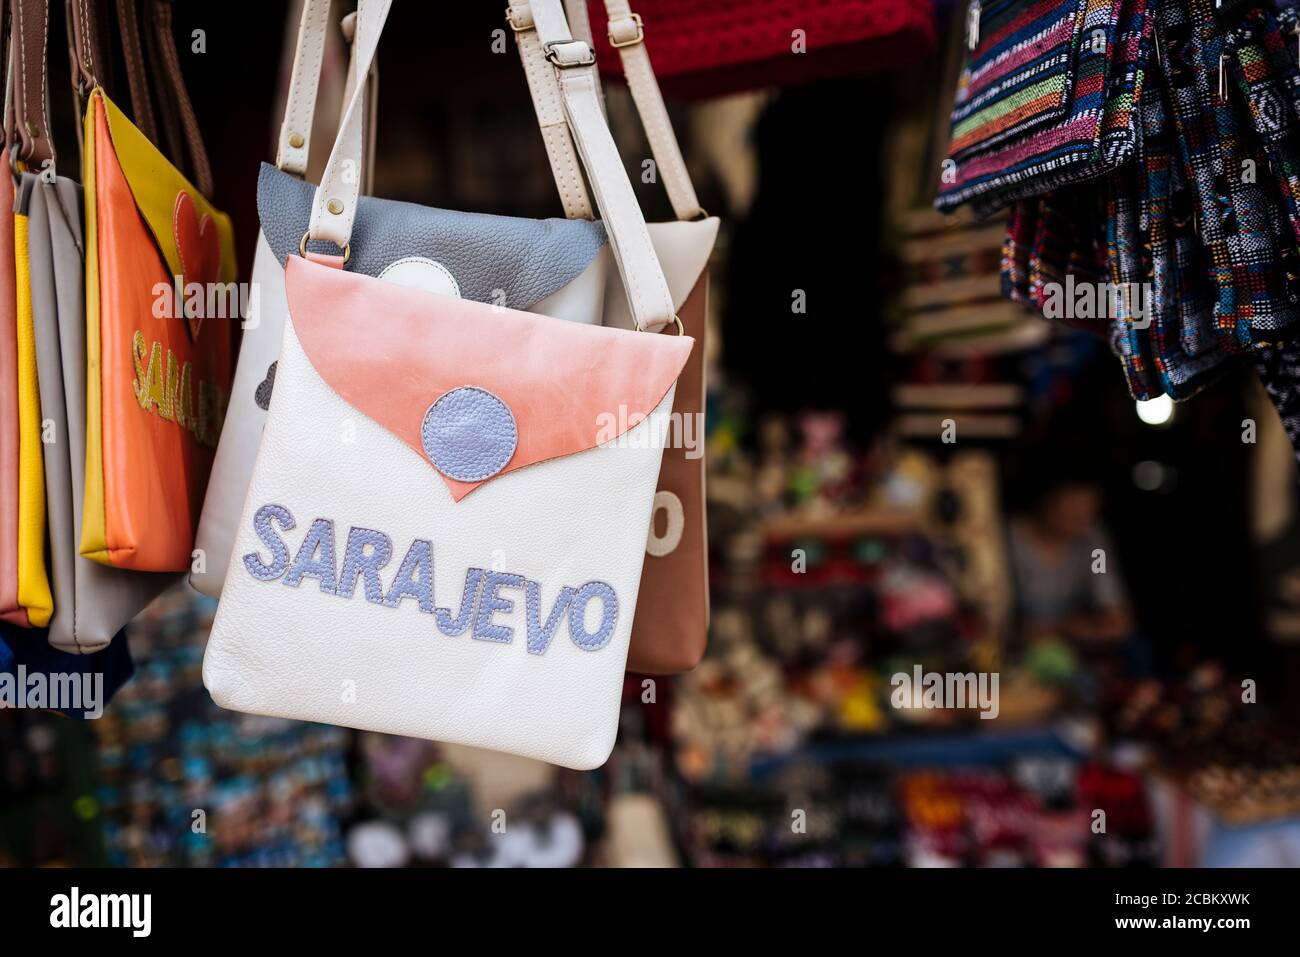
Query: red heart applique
x=199 y=249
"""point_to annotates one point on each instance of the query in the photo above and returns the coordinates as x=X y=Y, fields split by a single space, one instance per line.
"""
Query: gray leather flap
x=527 y=259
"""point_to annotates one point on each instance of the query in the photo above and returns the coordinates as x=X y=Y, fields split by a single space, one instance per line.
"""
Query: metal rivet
x=296 y=140
x=334 y=206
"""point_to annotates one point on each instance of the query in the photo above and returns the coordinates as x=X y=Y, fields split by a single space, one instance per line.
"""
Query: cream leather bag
x=554 y=267
x=671 y=631
x=438 y=539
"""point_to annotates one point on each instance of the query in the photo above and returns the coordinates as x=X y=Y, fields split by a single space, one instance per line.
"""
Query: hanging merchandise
x=710 y=48
x=91 y=601
x=552 y=267
x=10 y=608
x=489 y=455
x=160 y=262
x=1197 y=224
x=33 y=581
x=1268 y=76
x=1046 y=97
x=671 y=629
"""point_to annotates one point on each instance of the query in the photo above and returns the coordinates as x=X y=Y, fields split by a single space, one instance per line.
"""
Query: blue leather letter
x=490 y=602
x=451 y=627
x=539 y=635
x=593 y=641
x=306 y=564
x=415 y=577
x=357 y=561
x=279 y=552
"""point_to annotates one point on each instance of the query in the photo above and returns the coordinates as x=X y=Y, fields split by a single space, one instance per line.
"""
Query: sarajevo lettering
x=485 y=593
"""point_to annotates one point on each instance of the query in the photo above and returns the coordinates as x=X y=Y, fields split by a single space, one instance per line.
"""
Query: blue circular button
x=469 y=434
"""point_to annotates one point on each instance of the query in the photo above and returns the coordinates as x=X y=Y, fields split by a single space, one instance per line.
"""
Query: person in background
x=1067 y=579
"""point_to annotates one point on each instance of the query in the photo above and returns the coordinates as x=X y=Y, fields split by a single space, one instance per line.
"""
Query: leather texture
x=334 y=207
x=174 y=96
x=146 y=469
x=304 y=84
x=562 y=377
x=643 y=279
x=304 y=89
x=299 y=653
x=555 y=267
x=335 y=204
x=504 y=260
x=671 y=630
x=10 y=610
x=91 y=602
x=33 y=582
x=128 y=22
x=29 y=96
x=545 y=91
x=646 y=96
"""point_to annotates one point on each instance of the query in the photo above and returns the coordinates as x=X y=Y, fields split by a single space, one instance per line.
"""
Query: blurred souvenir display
x=880 y=559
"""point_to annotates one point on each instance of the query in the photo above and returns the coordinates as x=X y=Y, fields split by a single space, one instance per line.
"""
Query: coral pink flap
x=476 y=390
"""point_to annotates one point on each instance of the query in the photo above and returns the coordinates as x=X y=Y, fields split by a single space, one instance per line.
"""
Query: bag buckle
x=566 y=54
x=517 y=24
x=635 y=20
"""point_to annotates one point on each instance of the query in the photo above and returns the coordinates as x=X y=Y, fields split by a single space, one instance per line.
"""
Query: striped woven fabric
x=1017 y=167
x=1117 y=133
x=1019 y=75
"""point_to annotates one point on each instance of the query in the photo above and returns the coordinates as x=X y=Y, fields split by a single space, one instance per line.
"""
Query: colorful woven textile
x=1020 y=75
x=1237 y=216
x=1180 y=295
x=1093 y=136
x=1116 y=136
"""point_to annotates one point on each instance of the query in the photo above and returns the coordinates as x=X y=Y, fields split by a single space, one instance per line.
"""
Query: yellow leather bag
x=158 y=255
x=33 y=580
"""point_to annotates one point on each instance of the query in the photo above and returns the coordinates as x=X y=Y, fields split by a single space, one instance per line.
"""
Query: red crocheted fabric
x=703 y=48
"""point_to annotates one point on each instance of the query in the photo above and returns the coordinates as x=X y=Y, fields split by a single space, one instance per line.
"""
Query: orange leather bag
x=160 y=262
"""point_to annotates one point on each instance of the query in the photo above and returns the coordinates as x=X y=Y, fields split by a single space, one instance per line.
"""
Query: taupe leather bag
x=91 y=601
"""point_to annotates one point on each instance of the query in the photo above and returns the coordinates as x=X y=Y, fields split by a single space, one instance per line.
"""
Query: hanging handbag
x=33 y=591
x=554 y=267
x=707 y=48
x=489 y=575
x=92 y=602
x=1047 y=98
x=158 y=366
x=10 y=609
x=670 y=633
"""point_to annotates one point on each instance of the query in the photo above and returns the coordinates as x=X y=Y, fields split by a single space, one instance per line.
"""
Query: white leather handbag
x=555 y=267
x=438 y=540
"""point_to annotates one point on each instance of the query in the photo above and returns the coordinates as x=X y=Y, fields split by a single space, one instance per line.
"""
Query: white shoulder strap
x=334 y=207
x=627 y=35
x=369 y=123
x=294 y=147
x=545 y=90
